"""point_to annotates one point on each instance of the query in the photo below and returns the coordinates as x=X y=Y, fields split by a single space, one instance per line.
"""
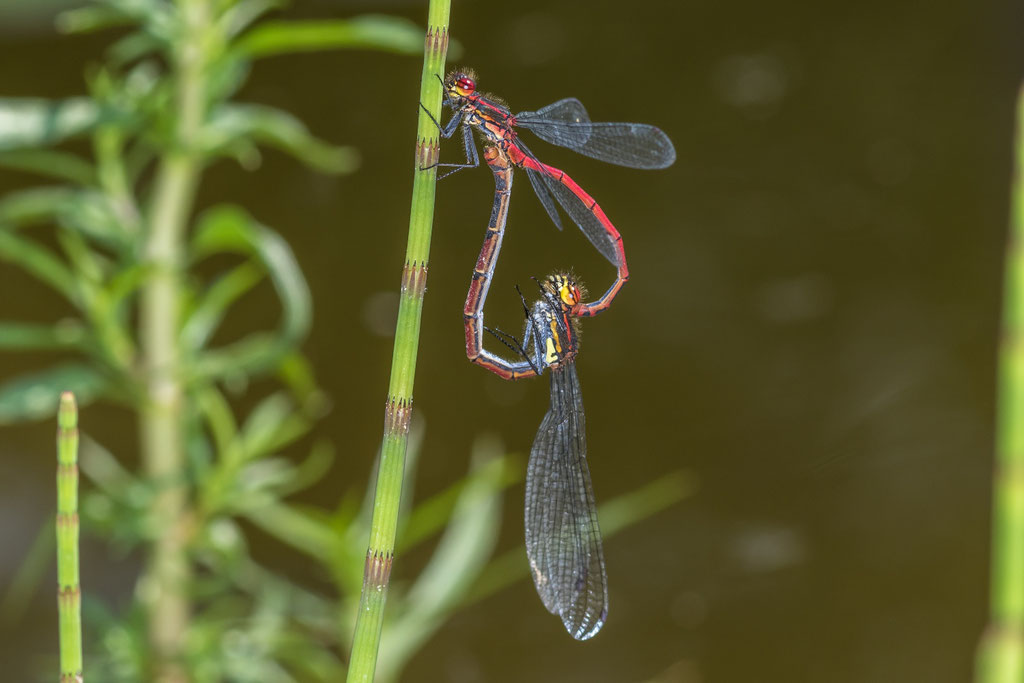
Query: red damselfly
x=563 y=540
x=565 y=123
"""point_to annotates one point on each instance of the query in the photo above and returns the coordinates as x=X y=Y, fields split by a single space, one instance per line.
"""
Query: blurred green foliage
x=83 y=231
x=1000 y=654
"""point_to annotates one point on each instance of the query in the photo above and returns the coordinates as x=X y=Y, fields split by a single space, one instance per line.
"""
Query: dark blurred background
x=809 y=329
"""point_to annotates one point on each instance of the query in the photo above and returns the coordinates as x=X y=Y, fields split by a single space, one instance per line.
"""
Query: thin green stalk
x=69 y=590
x=398 y=410
x=1001 y=652
x=167 y=577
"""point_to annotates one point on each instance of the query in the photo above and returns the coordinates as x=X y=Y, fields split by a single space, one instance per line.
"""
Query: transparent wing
x=563 y=541
x=540 y=188
x=580 y=213
x=554 y=117
x=567 y=124
x=569 y=110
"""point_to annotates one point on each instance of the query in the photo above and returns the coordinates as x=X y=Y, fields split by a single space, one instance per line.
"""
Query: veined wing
x=554 y=121
x=567 y=124
x=588 y=216
x=563 y=540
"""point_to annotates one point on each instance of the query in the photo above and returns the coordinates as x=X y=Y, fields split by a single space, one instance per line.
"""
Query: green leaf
x=241 y=479
x=69 y=334
x=206 y=317
x=255 y=354
x=59 y=165
x=233 y=126
x=258 y=482
x=157 y=16
x=133 y=46
x=628 y=509
x=216 y=412
x=296 y=372
x=309 y=471
x=95 y=215
x=86 y=264
x=226 y=76
x=265 y=481
x=431 y=515
x=271 y=424
x=34 y=396
x=121 y=286
x=90 y=19
x=89 y=212
x=242 y=14
x=139 y=95
x=34 y=205
x=229 y=228
x=306 y=529
x=39 y=262
x=104 y=311
x=309 y=659
x=30 y=122
x=118 y=501
x=371 y=32
x=23 y=586
x=459 y=559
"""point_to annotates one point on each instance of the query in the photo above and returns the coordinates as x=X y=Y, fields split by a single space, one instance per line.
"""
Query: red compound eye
x=465 y=84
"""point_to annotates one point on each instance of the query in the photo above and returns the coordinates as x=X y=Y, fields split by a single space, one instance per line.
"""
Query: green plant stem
x=69 y=590
x=398 y=409
x=165 y=593
x=1001 y=652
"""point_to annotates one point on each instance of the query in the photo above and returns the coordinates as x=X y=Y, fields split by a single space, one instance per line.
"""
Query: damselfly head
x=563 y=286
x=460 y=83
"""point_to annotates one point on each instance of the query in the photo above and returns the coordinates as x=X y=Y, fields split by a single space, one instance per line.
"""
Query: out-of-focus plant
x=115 y=233
x=148 y=281
x=1000 y=657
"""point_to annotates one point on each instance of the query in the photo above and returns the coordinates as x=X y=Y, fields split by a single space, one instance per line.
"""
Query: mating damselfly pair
x=563 y=540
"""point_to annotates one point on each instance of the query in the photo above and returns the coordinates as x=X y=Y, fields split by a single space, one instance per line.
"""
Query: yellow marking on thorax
x=554 y=344
x=551 y=356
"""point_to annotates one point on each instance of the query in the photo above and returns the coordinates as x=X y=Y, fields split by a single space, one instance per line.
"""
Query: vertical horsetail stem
x=1001 y=652
x=69 y=591
x=398 y=407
